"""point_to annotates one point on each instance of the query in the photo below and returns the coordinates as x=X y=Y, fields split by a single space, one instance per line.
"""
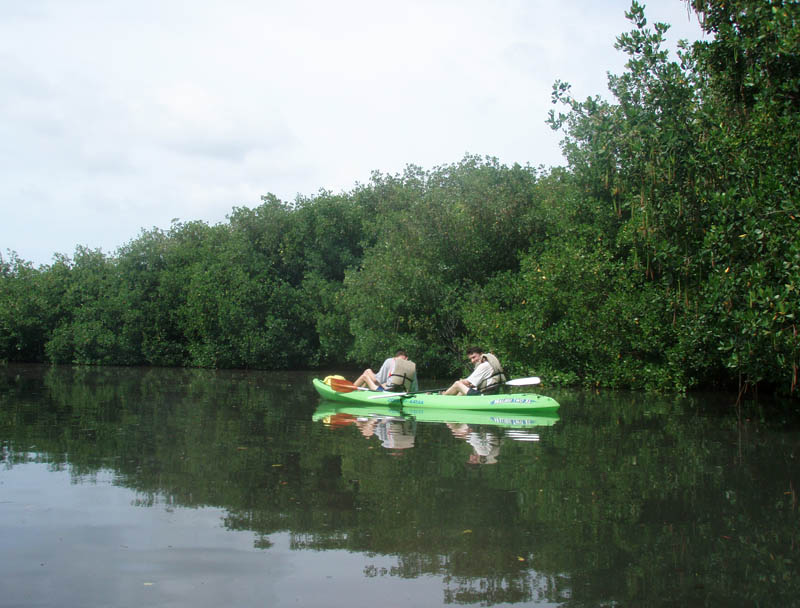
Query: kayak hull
x=513 y=402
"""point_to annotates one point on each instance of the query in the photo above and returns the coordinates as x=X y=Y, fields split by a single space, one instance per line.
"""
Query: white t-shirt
x=482 y=372
x=386 y=369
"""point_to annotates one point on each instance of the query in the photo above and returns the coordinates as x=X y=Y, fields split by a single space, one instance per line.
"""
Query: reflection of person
x=394 y=434
x=396 y=374
x=485 y=445
x=488 y=374
x=366 y=426
x=459 y=429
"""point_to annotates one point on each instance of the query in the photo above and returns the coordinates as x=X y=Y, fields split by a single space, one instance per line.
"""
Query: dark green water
x=154 y=487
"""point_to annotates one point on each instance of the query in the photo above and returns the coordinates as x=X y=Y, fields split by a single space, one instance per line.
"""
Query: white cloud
x=118 y=116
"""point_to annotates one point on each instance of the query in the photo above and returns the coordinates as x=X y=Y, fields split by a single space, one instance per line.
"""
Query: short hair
x=400 y=353
x=474 y=349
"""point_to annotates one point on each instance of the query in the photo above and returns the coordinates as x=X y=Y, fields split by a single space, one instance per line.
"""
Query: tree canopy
x=664 y=255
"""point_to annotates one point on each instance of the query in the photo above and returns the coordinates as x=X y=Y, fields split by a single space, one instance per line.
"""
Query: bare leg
x=457 y=388
x=368 y=378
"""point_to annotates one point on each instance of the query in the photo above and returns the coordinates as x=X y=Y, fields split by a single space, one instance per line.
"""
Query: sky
x=120 y=116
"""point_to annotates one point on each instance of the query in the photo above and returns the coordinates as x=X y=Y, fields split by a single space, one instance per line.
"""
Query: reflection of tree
x=625 y=500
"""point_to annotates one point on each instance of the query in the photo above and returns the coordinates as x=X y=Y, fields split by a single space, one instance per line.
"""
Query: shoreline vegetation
x=663 y=256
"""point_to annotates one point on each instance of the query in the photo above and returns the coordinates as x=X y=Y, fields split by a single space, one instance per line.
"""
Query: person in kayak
x=487 y=375
x=396 y=374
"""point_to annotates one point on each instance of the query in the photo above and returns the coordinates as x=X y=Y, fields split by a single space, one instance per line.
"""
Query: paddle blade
x=524 y=381
x=343 y=386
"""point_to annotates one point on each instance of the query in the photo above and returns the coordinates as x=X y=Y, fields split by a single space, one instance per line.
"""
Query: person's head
x=474 y=354
x=401 y=353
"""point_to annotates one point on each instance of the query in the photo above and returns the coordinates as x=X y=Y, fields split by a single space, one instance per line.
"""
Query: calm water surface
x=154 y=487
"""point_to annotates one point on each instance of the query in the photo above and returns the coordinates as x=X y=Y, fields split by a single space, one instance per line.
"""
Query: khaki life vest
x=402 y=375
x=497 y=377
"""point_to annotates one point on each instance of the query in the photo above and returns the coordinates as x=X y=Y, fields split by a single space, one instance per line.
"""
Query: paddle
x=516 y=382
x=345 y=386
x=524 y=381
x=390 y=394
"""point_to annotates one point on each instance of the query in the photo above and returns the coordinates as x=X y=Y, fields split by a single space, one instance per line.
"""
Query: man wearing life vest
x=396 y=374
x=488 y=374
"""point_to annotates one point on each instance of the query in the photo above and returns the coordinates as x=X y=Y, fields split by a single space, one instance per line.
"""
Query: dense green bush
x=663 y=256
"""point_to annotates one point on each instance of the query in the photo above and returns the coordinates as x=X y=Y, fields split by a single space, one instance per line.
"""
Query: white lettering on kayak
x=510 y=400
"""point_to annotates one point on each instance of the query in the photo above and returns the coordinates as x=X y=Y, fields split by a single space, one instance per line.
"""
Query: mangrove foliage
x=663 y=255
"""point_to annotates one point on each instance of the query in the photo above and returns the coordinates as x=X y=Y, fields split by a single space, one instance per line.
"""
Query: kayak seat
x=495 y=388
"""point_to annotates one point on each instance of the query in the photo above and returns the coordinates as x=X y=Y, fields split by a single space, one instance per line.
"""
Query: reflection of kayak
x=328 y=411
x=330 y=408
x=506 y=403
x=496 y=418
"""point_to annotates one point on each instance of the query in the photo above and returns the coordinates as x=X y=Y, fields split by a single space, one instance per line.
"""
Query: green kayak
x=510 y=402
x=327 y=410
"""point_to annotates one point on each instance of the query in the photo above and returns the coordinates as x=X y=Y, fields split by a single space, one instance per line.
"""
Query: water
x=156 y=487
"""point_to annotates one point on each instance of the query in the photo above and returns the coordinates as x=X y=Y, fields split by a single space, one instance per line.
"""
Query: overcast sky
x=117 y=116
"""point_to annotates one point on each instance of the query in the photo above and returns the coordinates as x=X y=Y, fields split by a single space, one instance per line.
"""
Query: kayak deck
x=510 y=402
